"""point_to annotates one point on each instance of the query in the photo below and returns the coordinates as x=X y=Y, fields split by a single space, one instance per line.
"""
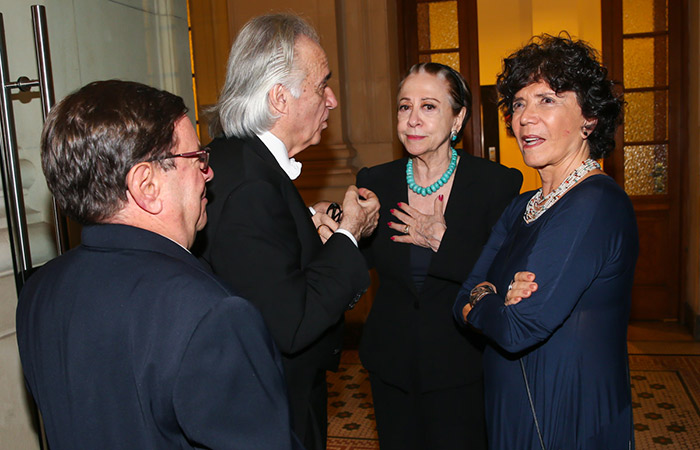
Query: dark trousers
x=309 y=409
x=445 y=419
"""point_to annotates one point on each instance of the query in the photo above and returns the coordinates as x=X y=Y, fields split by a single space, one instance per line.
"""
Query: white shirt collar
x=291 y=166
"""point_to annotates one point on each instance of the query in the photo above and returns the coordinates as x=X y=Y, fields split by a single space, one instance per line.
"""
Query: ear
x=143 y=182
x=588 y=127
x=459 y=118
x=278 y=98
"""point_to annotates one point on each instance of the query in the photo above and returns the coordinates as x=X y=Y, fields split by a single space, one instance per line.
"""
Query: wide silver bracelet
x=479 y=292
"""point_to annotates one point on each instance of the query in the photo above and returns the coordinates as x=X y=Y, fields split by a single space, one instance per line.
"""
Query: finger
x=327 y=221
x=439 y=207
x=398 y=226
x=402 y=216
x=402 y=239
x=366 y=194
x=321 y=206
x=410 y=210
x=524 y=276
x=324 y=232
x=520 y=291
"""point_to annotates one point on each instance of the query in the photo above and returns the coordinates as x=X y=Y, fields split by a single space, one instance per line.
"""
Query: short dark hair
x=93 y=137
x=460 y=94
x=565 y=65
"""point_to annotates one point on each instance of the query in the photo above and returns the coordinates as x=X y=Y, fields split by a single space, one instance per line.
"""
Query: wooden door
x=644 y=48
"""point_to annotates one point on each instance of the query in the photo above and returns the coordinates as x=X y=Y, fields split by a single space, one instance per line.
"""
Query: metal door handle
x=11 y=176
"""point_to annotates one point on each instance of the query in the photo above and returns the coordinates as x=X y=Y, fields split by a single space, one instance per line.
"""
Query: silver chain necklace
x=538 y=205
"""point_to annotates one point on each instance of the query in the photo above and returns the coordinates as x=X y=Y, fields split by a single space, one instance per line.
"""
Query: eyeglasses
x=335 y=211
x=202 y=155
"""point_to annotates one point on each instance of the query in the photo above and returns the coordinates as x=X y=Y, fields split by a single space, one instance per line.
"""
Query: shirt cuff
x=312 y=210
x=348 y=234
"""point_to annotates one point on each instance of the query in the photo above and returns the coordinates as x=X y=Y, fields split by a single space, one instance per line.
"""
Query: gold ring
x=405 y=230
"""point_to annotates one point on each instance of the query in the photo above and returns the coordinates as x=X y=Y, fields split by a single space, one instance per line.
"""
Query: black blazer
x=260 y=238
x=129 y=342
x=412 y=332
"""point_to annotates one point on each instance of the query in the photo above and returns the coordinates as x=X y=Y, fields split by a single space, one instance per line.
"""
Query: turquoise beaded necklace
x=435 y=186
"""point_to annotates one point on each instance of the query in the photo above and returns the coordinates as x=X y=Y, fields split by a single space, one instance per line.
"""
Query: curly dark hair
x=460 y=94
x=565 y=65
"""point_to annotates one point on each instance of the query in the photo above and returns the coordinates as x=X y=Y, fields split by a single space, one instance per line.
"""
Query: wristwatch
x=479 y=292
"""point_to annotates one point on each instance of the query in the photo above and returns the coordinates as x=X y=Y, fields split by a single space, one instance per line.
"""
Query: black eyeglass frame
x=335 y=212
x=201 y=154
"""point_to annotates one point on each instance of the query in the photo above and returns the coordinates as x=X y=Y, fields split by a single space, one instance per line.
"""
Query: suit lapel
x=459 y=209
x=306 y=233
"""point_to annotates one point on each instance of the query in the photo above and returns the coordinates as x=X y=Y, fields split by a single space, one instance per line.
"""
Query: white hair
x=261 y=57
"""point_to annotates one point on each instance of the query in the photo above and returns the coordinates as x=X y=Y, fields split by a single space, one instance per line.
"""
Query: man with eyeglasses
x=128 y=341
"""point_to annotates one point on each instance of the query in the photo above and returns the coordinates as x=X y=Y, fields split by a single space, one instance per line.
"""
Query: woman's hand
x=425 y=230
x=522 y=286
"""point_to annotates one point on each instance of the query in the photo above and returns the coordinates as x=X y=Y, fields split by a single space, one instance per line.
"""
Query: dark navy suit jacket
x=128 y=342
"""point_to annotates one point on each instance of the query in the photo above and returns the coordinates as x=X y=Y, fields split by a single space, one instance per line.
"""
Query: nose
x=527 y=115
x=413 y=118
x=331 y=101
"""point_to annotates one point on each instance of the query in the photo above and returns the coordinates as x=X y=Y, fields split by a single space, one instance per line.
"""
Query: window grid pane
x=646 y=112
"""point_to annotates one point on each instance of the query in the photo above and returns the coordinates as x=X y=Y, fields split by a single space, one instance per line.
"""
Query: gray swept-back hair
x=261 y=57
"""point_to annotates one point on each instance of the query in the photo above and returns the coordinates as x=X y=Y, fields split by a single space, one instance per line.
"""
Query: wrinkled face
x=310 y=111
x=425 y=116
x=185 y=191
x=548 y=126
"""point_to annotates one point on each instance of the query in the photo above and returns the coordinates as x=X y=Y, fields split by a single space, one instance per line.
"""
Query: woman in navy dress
x=551 y=290
x=438 y=206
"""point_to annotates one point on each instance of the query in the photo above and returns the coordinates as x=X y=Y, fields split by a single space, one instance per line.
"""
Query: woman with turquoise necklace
x=438 y=207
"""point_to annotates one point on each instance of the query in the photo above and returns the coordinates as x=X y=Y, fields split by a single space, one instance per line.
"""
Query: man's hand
x=360 y=215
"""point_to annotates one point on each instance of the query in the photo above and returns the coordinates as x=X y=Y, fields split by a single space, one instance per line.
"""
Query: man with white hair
x=302 y=271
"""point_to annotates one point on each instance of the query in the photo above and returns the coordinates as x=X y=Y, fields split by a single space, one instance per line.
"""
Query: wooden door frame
x=678 y=171
x=468 y=59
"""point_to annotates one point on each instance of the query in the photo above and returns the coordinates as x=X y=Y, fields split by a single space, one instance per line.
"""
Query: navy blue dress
x=571 y=333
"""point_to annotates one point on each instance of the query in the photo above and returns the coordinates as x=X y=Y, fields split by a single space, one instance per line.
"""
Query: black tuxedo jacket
x=410 y=338
x=260 y=238
x=129 y=342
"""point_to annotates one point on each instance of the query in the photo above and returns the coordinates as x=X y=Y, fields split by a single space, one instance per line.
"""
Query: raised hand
x=360 y=212
x=425 y=230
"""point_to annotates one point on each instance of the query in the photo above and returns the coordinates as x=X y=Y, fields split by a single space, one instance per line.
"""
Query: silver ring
x=405 y=230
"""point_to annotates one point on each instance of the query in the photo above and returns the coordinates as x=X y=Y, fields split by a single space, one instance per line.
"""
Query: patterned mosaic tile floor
x=665 y=392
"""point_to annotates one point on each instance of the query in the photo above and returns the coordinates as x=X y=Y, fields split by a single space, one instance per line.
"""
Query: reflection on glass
x=646 y=116
x=443 y=25
x=449 y=59
x=642 y=16
x=645 y=62
x=646 y=169
x=437 y=25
